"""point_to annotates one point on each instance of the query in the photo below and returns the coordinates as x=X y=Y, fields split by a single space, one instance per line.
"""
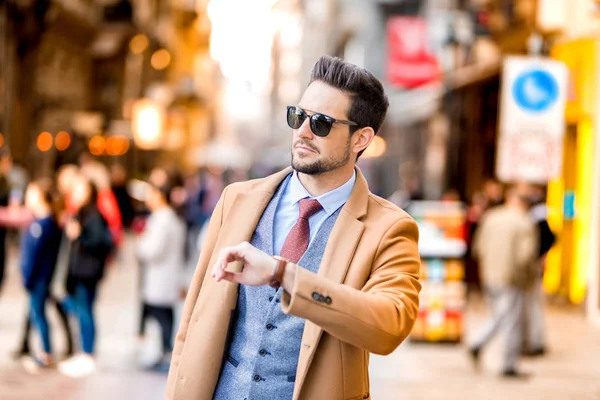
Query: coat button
x=316 y=296
x=262 y=352
x=327 y=300
x=270 y=327
x=256 y=378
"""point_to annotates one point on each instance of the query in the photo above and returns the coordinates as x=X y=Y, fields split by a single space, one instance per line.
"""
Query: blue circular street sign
x=535 y=90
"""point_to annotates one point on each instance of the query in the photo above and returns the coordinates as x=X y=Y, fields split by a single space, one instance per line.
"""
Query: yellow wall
x=567 y=263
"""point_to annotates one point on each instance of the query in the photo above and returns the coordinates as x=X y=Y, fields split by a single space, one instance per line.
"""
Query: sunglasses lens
x=320 y=125
x=295 y=117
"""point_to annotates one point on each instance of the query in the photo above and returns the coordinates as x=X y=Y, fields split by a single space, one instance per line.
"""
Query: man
x=160 y=249
x=506 y=245
x=257 y=327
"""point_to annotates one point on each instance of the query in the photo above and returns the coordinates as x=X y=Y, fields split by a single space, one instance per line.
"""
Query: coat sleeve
x=378 y=317
x=194 y=290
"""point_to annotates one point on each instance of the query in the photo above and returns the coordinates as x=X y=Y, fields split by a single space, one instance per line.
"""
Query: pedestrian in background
x=505 y=245
x=23 y=218
x=39 y=252
x=535 y=337
x=91 y=244
x=161 y=251
x=5 y=192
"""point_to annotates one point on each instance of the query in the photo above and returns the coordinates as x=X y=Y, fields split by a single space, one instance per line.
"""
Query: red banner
x=410 y=64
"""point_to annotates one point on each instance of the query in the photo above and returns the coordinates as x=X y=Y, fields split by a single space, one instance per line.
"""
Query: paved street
x=415 y=371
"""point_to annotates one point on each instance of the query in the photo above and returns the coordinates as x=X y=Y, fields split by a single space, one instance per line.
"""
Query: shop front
x=574 y=197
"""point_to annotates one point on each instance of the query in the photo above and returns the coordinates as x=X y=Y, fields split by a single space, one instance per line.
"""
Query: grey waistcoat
x=261 y=361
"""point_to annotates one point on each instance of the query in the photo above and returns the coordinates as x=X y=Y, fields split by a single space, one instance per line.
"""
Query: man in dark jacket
x=535 y=337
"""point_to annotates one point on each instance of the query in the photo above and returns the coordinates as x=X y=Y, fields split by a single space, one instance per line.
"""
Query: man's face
x=314 y=155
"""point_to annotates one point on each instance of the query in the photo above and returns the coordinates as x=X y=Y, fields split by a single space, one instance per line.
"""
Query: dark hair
x=93 y=200
x=369 y=103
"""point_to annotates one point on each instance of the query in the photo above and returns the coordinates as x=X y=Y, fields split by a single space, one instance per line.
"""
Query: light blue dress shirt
x=288 y=208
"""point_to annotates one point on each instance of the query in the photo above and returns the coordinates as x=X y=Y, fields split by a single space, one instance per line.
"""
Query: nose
x=304 y=132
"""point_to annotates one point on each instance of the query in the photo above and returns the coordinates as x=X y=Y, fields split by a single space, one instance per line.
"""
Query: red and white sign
x=410 y=63
x=529 y=159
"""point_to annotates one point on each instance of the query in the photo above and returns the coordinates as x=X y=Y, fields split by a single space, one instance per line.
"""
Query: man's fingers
x=232 y=276
x=226 y=255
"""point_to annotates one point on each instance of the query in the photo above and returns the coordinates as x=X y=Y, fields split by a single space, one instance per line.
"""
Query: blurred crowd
x=71 y=225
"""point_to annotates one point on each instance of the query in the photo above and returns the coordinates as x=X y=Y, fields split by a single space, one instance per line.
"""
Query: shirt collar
x=330 y=201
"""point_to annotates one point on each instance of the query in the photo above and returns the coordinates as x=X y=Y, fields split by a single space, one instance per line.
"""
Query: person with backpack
x=91 y=245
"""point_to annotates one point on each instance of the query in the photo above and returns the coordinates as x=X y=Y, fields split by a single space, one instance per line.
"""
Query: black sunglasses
x=320 y=124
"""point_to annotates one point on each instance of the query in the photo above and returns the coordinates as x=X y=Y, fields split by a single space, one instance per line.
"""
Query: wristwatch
x=277 y=277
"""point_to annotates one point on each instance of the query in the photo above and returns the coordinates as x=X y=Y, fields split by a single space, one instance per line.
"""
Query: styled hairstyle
x=369 y=103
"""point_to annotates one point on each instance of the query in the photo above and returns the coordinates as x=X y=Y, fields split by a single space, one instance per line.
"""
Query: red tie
x=297 y=240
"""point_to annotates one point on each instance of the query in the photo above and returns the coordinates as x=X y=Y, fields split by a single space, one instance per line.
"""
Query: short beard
x=322 y=166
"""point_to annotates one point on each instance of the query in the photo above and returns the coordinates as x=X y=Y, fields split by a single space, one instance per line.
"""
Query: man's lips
x=306 y=148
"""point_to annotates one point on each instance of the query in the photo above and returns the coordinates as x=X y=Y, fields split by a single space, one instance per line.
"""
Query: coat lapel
x=342 y=244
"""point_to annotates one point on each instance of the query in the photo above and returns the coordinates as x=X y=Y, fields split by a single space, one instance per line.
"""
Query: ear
x=362 y=138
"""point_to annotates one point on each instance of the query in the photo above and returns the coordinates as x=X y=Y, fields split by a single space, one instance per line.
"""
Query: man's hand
x=258 y=265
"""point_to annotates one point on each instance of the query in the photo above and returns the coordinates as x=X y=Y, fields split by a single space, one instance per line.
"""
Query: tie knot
x=309 y=207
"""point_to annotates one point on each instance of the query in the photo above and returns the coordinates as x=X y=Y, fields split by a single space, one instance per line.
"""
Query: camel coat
x=369 y=276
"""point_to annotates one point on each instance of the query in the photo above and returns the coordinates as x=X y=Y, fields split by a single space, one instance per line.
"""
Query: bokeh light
x=148 y=124
x=44 y=141
x=139 y=43
x=62 y=140
x=160 y=59
x=376 y=148
x=97 y=145
x=117 y=145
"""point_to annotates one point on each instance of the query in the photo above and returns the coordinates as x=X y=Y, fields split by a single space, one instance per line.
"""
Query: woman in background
x=160 y=249
x=39 y=252
x=91 y=244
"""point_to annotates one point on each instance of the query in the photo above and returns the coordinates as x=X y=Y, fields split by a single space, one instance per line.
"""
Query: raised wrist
x=277 y=276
